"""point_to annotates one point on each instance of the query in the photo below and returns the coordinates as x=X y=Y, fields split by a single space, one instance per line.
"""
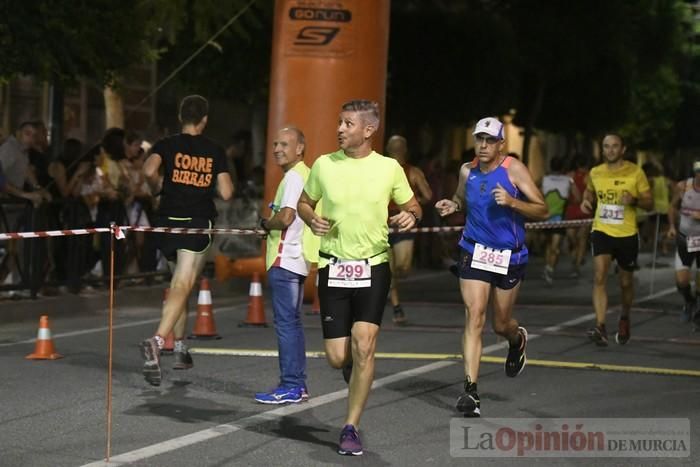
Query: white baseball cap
x=489 y=125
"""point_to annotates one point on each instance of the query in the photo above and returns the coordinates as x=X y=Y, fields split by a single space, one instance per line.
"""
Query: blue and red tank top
x=494 y=226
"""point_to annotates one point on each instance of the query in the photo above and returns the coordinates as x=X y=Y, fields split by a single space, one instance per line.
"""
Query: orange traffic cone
x=170 y=339
x=256 y=306
x=44 y=349
x=204 y=326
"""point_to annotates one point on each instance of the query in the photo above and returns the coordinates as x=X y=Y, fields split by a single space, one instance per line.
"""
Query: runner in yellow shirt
x=355 y=185
x=618 y=186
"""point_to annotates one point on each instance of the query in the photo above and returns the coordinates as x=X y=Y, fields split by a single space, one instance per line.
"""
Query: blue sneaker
x=281 y=396
x=350 y=444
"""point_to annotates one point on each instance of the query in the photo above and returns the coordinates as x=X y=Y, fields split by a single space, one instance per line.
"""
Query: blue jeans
x=287 y=298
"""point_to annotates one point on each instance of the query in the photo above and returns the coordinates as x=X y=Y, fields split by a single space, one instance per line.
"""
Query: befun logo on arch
x=320 y=28
x=559 y=437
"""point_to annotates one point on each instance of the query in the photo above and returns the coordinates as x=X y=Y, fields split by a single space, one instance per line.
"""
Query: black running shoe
x=469 y=403
x=182 y=360
x=399 y=316
x=599 y=336
x=347 y=372
x=515 y=361
x=151 y=364
x=687 y=312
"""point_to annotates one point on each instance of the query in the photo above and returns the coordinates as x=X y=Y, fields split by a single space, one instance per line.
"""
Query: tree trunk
x=531 y=120
x=114 y=108
x=56 y=116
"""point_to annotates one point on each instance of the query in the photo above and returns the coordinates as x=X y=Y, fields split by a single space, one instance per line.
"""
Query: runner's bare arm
x=588 y=199
x=645 y=200
x=533 y=207
x=445 y=207
x=673 y=207
x=224 y=185
x=151 y=169
x=424 y=193
x=305 y=207
x=410 y=215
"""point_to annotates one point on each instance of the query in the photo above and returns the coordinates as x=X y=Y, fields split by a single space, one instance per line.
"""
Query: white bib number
x=612 y=214
x=349 y=274
x=693 y=244
x=489 y=259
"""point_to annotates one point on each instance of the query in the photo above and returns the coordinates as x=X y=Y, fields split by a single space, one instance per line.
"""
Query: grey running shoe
x=151 y=364
x=350 y=444
x=687 y=312
x=599 y=336
x=516 y=359
x=547 y=275
x=469 y=403
x=182 y=360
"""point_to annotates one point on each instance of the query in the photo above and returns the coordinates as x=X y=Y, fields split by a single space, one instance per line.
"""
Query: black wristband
x=263 y=225
x=415 y=217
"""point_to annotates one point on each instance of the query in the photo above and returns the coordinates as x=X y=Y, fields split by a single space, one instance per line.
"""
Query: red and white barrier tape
x=53 y=233
x=120 y=230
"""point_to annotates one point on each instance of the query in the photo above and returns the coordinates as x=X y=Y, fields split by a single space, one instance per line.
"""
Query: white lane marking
x=247 y=422
x=130 y=324
x=224 y=429
x=221 y=430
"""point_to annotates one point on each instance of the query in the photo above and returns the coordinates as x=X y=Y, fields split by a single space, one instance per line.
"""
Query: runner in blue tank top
x=498 y=193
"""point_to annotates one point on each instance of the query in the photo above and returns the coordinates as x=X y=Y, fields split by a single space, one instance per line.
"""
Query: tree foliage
x=582 y=66
x=69 y=40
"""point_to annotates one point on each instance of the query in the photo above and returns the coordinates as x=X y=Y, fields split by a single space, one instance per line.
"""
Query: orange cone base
x=44 y=352
x=53 y=356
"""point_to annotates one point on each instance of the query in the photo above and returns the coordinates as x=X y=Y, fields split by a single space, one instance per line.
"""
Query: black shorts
x=169 y=243
x=516 y=273
x=341 y=307
x=624 y=250
x=395 y=238
x=684 y=257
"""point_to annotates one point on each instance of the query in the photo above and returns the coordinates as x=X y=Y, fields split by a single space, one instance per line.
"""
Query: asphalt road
x=54 y=413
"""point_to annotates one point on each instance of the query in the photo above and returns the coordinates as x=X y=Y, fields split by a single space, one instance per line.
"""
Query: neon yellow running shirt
x=611 y=217
x=355 y=195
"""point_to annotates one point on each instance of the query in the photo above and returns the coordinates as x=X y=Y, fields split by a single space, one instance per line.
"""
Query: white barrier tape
x=120 y=230
x=53 y=233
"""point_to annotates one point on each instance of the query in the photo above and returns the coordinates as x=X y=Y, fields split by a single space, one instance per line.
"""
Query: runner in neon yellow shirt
x=355 y=185
x=618 y=186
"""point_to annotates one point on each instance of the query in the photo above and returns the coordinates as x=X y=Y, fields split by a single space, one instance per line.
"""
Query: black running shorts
x=624 y=250
x=169 y=243
x=516 y=273
x=341 y=307
x=685 y=258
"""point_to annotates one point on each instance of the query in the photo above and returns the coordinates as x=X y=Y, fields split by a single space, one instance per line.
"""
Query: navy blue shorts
x=516 y=273
x=395 y=238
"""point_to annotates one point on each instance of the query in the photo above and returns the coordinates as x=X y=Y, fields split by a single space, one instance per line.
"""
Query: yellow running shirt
x=355 y=195
x=611 y=217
